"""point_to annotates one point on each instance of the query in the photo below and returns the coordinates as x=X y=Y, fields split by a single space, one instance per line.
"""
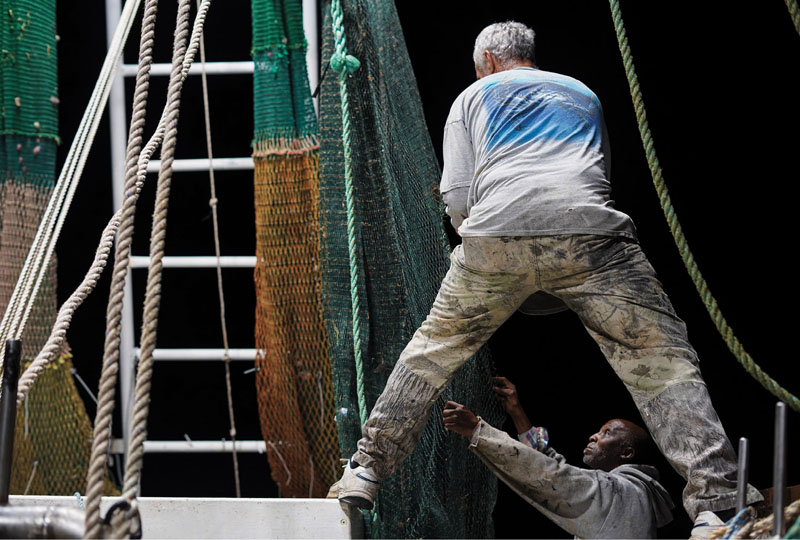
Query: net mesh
x=53 y=432
x=441 y=490
x=294 y=387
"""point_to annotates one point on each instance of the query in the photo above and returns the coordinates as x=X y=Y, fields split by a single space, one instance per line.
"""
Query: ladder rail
x=196 y=261
x=197 y=447
x=212 y=68
x=199 y=354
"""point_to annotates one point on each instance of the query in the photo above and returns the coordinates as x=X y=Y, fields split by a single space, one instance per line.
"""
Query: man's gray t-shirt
x=524 y=155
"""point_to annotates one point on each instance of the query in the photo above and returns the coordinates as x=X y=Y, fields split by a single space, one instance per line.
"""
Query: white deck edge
x=182 y=517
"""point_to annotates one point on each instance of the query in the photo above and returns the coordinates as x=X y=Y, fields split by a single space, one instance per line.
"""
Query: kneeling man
x=618 y=497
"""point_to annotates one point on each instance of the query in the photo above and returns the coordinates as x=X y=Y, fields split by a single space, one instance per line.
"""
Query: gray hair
x=508 y=41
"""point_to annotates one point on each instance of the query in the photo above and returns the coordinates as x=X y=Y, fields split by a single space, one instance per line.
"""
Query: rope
x=152 y=300
x=794 y=11
x=761 y=528
x=122 y=260
x=346 y=64
x=677 y=232
x=43 y=245
x=108 y=377
x=213 y=203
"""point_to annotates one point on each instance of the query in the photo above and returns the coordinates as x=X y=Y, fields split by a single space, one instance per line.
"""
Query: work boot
x=357 y=486
x=705 y=523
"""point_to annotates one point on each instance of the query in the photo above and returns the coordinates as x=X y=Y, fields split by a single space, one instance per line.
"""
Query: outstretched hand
x=507 y=393
x=459 y=419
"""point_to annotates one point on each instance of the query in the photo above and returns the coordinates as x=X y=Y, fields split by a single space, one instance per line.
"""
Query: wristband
x=476 y=433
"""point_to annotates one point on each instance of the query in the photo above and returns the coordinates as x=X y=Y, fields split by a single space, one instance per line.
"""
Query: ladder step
x=173 y=447
x=212 y=68
x=202 y=261
x=191 y=355
x=201 y=164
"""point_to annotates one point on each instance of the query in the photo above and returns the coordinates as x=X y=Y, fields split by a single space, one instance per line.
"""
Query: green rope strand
x=677 y=232
x=794 y=11
x=346 y=64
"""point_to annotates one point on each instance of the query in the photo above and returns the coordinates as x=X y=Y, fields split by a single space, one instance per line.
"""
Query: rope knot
x=344 y=63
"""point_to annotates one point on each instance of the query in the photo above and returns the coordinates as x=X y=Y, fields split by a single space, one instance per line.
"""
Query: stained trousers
x=609 y=283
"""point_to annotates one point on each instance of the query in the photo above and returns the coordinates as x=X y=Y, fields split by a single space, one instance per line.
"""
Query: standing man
x=619 y=496
x=526 y=185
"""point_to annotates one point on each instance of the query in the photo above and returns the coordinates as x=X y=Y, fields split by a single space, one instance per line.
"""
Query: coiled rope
x=677 y=232
x=345 y=64
x=761 y=528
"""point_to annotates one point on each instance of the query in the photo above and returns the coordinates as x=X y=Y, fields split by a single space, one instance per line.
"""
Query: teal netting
x=442 y=490
x=279 y=53
x=28 y=54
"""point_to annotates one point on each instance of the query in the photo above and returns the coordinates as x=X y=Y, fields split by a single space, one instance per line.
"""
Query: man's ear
x=490 y=63
x=627 y=453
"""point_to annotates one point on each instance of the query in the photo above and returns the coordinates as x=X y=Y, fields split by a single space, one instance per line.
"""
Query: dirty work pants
x=610 y=285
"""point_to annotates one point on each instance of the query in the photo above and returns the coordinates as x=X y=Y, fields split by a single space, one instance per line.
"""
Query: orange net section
x=295 y=392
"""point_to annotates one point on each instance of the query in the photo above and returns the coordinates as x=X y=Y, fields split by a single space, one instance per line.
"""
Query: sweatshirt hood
x=661 y=501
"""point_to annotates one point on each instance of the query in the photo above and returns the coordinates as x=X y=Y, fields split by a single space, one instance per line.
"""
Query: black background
x=719 y=84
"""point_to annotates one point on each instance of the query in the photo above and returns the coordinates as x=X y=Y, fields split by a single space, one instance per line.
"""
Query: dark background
x=719 y=83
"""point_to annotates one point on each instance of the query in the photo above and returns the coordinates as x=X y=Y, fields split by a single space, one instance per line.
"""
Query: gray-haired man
x=526 y=185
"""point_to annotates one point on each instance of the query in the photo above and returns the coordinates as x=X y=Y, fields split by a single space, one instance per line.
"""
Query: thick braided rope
x=215 y=220
x=677 y=232
x=111 y=362
x=158 y=234
x=102 y=428
x=43 y=245
x=345 y=64
x=794 y=11
x=53 y=344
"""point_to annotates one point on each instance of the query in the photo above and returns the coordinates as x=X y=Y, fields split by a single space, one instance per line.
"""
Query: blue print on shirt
x=520 y=111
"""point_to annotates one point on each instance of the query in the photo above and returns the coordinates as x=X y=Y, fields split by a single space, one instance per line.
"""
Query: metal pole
x=17 y=521
x=741 y=477
x=779 y=471
x=8 y=414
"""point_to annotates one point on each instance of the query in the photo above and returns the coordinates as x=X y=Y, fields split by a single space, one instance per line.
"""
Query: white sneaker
x=357 y=486
x=705 y=524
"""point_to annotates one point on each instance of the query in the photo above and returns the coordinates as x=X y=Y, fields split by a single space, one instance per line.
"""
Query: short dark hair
x=645 y=451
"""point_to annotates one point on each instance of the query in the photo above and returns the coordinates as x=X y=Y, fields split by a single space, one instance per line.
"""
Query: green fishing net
x=442 y=490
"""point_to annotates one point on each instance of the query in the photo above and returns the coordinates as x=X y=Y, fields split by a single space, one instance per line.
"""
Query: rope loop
x=119 y=518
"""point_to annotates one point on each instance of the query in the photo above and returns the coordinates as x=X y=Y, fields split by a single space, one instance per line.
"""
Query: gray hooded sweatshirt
x=627 y=502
